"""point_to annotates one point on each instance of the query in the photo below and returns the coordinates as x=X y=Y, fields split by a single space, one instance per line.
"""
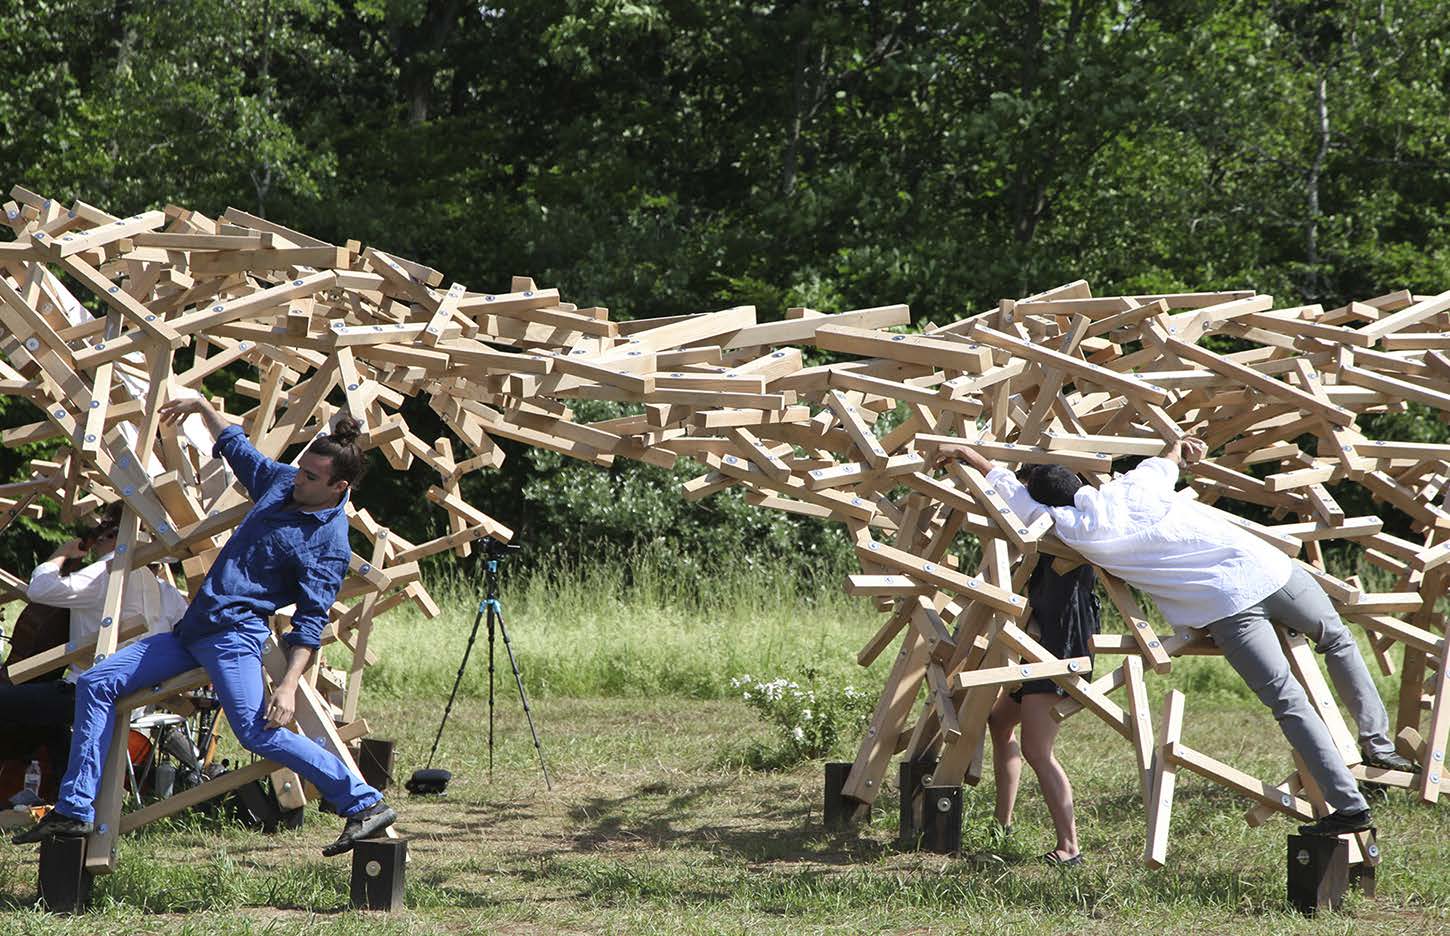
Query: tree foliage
x=670 y=156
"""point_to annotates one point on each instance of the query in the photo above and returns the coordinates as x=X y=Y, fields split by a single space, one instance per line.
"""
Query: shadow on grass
x=656 y=814
x=759 y=832
x=759 y=756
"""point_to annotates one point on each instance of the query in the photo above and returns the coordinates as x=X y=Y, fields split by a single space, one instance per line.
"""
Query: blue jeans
x=233 y=660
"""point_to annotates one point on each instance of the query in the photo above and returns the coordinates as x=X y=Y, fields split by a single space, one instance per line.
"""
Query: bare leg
x=1006 y=755
x=1039 y=733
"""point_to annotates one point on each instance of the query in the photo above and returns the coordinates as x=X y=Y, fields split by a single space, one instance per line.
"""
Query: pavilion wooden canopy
x=103 y=318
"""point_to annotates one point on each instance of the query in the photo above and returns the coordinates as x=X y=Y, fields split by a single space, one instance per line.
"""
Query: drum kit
x=171 y=752
x=168 y=754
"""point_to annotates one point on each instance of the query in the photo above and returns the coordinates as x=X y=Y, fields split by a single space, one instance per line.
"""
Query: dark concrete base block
x=841 y=811
x=375 y=760
x=941 y=819
x=1318 y=873
x=916 y=776
x=65 y=885
x=378 y=870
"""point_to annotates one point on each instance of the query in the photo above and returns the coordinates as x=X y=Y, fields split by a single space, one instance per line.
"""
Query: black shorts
x=1042 y=687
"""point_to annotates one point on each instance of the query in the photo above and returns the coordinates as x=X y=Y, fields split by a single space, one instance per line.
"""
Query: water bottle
x=32 y=778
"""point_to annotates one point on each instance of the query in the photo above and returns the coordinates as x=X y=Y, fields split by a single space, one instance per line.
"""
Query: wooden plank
x=68 y=245
x=902 y=467
x=1136 y=621
x=1079 y=689
x=968 y=357
x=1165 y=780
x=1019 y=532
x=116 y=580
x=804 y=330
x=1021 y=672
x=971 y=587
x=897 y=698
x=110 y=794
x=1303 y=400
x=1021 y=454
x=1305 y=667
x=1238 y=781
x=942 y=703
x=151 y=325
x=861 y=435
x=1398 y=321
x=363 y=630
x=943 y=400
x=64 y=654
x=1133 y=387
x=1141 y=725
x=218 y=313
x=1114 y=446
x=1432 y=771
x=841 y=505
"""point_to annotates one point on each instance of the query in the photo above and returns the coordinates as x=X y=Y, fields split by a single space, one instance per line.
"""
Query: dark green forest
x=660 y=157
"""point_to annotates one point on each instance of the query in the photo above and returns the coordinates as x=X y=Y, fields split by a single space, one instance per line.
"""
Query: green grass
x=653 y=827
x=657 y=824
x=617 y=630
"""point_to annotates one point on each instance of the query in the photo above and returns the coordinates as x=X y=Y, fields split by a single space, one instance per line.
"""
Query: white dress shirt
x=1198 y=567
x=146 y=598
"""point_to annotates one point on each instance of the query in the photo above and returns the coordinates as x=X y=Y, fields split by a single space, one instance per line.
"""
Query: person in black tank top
x=1064 y=616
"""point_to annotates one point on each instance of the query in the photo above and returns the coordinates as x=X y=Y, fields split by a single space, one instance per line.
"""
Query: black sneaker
x=53 y=825
x=1338 y=823
x=362 y=825
x=1391 y=761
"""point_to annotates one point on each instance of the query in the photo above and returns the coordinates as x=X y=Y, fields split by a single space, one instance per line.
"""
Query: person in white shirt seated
x=49 y=705
x=1204 y=571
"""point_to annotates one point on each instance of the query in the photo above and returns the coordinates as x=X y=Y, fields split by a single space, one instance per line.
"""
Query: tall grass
x=627 y=627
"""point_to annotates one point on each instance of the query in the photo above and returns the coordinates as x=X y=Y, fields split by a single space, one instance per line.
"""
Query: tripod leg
x=492 y=617
x=458 y=679
x=524 y=698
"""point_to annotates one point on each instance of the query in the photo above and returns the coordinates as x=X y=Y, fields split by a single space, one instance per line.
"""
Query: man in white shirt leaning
x=1205 y=572
x=51 y=704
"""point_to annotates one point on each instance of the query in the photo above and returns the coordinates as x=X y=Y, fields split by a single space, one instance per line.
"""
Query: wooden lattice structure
x=1060 y=377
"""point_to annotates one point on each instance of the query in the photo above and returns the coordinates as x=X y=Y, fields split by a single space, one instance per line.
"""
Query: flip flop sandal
x=1052 y=859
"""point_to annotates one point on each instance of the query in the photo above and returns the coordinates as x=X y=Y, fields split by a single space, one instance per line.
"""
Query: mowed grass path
x=655 y=825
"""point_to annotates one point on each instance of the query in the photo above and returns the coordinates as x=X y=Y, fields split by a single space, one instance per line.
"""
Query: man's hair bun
x=345 y=431
x=341 y=446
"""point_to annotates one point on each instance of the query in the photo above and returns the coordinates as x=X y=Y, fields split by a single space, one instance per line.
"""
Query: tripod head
x=493 y=553
x=495 y=550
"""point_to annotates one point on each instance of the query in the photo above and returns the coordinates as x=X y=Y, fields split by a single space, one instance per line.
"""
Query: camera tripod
x=492 y=609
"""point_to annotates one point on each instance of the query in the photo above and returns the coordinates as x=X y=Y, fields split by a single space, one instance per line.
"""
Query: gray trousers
x=1251 y=647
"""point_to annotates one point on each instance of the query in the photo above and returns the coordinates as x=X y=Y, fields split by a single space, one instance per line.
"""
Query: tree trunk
x=262 y=176
x=1028 y=192
x=791 y=159
x=415 y=51
x=1311 y=186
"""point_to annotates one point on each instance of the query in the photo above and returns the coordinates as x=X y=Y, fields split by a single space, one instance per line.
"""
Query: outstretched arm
x=1186 y=451
x=955 y=451
x=256 y=471
x=173 y=411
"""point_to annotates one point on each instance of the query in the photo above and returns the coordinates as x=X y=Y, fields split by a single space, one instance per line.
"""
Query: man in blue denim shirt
x=291 y=548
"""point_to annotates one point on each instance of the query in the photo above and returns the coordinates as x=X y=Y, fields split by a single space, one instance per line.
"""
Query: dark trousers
x=37 y=713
